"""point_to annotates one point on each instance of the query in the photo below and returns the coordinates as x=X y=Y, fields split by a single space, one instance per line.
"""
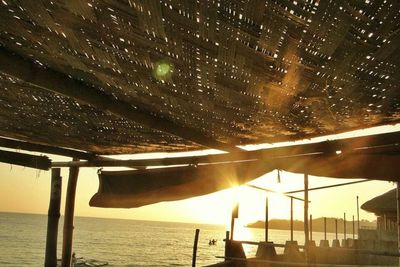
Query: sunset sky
x=27 y=190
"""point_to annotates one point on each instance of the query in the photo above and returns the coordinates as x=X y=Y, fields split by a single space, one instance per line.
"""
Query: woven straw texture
x=240 y=72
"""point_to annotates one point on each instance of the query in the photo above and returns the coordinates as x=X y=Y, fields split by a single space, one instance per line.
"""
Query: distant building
x=385 y=208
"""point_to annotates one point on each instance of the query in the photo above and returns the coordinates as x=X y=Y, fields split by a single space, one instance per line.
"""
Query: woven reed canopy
x=128 y=76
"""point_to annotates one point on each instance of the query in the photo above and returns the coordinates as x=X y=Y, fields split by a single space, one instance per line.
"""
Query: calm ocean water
x=123 y=242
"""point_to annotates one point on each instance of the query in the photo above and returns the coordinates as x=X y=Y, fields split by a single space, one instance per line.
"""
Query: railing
x=360 y=251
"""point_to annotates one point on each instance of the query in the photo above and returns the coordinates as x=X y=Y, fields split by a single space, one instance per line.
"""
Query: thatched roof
x=383 y=204
x=129 y=76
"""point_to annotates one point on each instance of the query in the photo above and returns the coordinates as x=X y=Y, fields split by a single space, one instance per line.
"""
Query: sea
x=126 y=242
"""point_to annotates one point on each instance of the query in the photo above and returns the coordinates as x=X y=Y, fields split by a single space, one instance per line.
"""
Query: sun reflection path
x=243 y=233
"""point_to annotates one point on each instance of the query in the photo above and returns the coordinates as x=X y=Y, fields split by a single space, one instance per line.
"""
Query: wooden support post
x=398 y=217
x=226 y=244
x=384 y=222
x=69 y=217
x=306 y=209
x=291 y=218
x=336 y=229
x=232 y=227
x=311 y=227
x=266 y=218
x=324 y=228
x=196 y=240
x=53 y=218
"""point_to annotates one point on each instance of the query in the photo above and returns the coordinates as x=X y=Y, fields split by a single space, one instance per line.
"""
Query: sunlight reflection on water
x=127 y=242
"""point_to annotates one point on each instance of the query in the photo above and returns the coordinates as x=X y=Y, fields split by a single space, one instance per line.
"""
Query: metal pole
x=306 y=208
x=358 y=217
x=311 y=227
x=196 y=240
x=69 y=217
x=324 y=228
x=53 y=218
x=353 y=227
x=344 y=226
x=291 y=218
x=266 y=218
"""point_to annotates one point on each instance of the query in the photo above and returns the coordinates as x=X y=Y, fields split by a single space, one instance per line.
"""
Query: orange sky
x=27 y=190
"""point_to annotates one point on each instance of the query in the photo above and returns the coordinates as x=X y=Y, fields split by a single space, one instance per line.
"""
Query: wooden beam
x=53 y=218
x=26 y=160
x=380 y=143
x=69 y=217
x=54 y=81
x=397 y=217
x=17 y=144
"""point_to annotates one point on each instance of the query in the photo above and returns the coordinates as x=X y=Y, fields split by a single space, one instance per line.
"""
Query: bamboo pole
x=69 y=217
x=53 y=218
x=196 y=240
x=306 y=208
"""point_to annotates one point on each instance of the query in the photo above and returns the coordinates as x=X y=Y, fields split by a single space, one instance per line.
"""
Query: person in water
x=73 y=260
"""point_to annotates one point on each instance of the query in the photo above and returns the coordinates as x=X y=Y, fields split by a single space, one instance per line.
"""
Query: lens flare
x=163 y=70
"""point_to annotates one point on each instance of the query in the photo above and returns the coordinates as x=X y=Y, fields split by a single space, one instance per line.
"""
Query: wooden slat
x=54 y=81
